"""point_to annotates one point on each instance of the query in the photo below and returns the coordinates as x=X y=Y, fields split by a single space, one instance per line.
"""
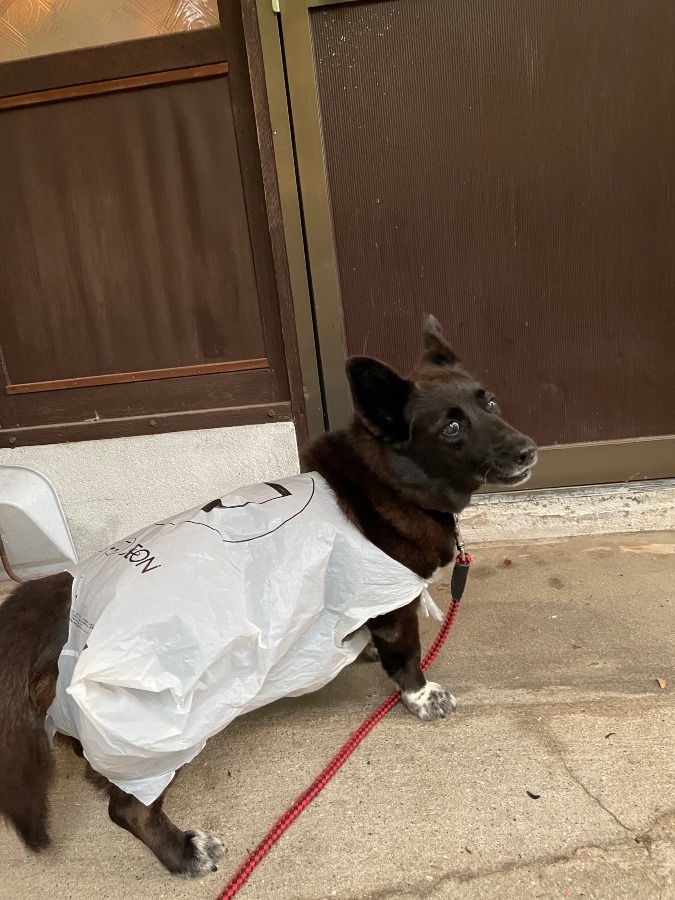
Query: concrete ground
x=554 y=779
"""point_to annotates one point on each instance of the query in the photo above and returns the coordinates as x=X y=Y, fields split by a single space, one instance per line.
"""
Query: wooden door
x=138 y=290
x=508 y=166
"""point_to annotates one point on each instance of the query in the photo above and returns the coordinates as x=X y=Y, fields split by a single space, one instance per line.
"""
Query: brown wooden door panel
x=142 y=284
x=510 y=167
x=126 y=244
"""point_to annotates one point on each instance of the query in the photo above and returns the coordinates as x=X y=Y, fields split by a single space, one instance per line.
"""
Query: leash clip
x=463 y=558
x=460 y=570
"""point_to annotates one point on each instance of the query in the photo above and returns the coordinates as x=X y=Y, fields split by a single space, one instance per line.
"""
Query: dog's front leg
x=190 y=853
x=396 y=636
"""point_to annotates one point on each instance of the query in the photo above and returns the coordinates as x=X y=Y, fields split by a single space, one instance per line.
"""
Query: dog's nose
x=527 y=454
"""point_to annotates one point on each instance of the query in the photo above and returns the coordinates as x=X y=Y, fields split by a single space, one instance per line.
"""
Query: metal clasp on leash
x=463 y=558
x=460 y=571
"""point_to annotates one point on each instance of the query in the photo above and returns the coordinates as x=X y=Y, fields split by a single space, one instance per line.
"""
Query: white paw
x=430 y=703
x=370 y=652
x=204 y=852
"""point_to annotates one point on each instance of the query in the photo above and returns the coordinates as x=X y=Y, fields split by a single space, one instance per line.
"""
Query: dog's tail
x=33 y=629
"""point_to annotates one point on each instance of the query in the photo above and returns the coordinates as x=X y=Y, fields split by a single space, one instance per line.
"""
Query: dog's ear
x=437 y=351
x=380 y=397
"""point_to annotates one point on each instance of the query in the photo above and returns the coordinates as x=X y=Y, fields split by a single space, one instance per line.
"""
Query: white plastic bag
x=191 y=622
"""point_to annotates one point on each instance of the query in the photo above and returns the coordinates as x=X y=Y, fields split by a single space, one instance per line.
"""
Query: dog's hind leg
x=190 y=853
x=396 y=636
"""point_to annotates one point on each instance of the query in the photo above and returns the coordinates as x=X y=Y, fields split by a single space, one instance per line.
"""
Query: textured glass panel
x=37 y=27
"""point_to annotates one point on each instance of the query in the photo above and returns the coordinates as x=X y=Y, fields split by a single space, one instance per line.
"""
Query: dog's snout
x=527 y=454
x=521 y=452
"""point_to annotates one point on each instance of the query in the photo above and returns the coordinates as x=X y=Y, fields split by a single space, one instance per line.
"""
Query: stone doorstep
x=565 y=512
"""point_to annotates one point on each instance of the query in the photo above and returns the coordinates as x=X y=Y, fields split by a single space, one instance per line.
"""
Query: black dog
x=415 y=452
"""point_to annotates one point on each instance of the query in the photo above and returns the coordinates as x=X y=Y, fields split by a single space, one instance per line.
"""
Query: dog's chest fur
x=423 y=540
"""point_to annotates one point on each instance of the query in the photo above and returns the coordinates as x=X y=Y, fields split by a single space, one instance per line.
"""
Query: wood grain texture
x=128 y=247
x=139 y=253
x=135 y=245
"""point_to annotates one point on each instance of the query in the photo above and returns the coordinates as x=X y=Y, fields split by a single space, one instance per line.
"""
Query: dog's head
x=440 y=424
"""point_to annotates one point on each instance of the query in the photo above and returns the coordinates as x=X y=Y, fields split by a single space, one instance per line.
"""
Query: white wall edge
x=111 y=488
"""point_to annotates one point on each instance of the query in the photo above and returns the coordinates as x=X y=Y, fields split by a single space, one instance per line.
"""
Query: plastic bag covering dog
x=191 y=622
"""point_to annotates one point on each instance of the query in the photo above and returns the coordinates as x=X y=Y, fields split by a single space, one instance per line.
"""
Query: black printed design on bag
x=218 y=503
x=291 y=504
x=137 y=555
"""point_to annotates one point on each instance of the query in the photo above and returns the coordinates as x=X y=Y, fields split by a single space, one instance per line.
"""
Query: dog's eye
x=451 y=429
x=491 y=405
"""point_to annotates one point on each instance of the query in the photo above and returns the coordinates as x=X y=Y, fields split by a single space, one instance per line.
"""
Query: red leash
x=301 y=802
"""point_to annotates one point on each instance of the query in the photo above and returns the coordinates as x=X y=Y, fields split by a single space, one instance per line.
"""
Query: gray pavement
x=554 y=661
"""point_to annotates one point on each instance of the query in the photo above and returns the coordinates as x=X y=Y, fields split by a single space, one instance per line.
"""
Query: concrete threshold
x=565 y=512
